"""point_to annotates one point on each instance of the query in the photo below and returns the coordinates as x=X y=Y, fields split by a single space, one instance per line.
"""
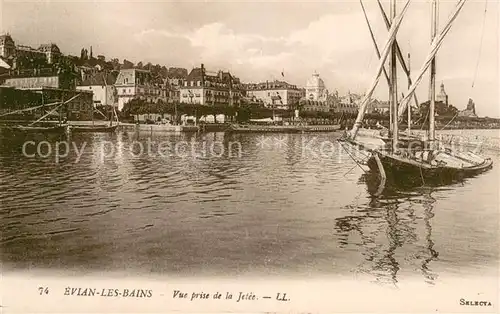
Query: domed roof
x=315 y=81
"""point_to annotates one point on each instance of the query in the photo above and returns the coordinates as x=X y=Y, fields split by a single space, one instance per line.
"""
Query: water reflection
x=392 y=232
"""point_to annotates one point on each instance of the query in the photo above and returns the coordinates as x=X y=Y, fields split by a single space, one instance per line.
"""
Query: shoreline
x=224 y=125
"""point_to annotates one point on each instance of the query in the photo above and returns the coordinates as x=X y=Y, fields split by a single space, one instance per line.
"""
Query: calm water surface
x=275 y=210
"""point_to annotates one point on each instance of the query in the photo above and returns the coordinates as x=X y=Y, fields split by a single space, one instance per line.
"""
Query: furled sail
x=436 y=44
x=385 y=53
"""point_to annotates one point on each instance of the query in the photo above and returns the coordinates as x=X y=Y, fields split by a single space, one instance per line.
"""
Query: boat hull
x=282 y=128
x=95 y=129
x=405 y=172
x=39 y=129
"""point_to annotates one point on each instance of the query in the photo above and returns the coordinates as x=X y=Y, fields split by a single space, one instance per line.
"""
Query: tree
x=148 y=66
x=127 y=64
x=115 y=63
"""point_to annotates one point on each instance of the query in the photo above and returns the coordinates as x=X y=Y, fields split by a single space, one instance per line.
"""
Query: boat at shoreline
x=61 y=129
x=405 y=157
x=253 y=128
x=95 y=129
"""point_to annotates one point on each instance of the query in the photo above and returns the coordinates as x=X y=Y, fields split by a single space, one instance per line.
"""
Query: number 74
x=43 y=290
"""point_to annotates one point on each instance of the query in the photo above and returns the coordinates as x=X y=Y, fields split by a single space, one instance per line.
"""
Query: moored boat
x=251 y=128
x=41 y=129
x=94 y=129
x=406 y=157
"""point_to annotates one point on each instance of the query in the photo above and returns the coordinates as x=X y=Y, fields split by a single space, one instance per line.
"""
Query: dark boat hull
x=32 y=129
x=95 y=129
x=282 y=128
x=406 y=173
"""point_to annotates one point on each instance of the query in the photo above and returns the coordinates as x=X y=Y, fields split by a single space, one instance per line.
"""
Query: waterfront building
x=7 y=47
x=315 y=96
x=377 y=106
x=135 y=83
x=103 y=89
x=15 y=99
x=347 y=104
x=315 y=89
x=442 y=96
x=79 y=108
x=212 y=89
x=314 y=105
x=277 y=94
x=173 y=89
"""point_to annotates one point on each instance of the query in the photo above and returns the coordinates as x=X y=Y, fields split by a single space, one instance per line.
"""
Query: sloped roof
x=98 y=79
x=49 y=47
x=195 y=74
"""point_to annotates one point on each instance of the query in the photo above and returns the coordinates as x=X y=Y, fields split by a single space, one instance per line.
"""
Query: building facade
x=173 y=89
x=347 y=104
x=135 y=83
x=211 y=89
x=103 y=89
x=51 y=51
x=314 y=105
x=24 y=56
x=277 y=94
x=315 y=89
x=379 y=107
x=7 y=46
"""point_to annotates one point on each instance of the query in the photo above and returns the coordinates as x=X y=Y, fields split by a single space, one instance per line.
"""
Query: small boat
x=41 y=129
x=252 y=128
x=95 y=129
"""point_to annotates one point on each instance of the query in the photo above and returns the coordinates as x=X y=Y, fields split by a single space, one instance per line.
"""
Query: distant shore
x=460 y=126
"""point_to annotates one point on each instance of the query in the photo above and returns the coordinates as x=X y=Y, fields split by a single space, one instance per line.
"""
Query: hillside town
x=145 y=93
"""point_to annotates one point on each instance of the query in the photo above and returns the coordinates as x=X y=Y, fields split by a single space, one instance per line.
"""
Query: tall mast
x=432 y=88
x=409 y=85
x=391 y=82
x=394 y=83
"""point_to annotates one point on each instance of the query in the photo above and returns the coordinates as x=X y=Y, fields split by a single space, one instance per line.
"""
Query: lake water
x=223 y=205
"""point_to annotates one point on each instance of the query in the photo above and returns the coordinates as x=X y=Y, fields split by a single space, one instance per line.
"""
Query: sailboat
x=427 y=163
x=97 y=128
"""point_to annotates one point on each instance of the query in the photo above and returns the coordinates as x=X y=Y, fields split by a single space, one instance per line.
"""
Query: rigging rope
x=481 y=42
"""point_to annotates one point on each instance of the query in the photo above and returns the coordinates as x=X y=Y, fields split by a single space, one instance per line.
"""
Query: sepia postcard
x=249 y=156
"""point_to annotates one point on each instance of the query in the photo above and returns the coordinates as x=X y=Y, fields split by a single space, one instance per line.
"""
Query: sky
x=257 y=40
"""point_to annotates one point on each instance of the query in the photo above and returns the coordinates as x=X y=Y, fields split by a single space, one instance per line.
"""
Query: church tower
x=442 y=96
